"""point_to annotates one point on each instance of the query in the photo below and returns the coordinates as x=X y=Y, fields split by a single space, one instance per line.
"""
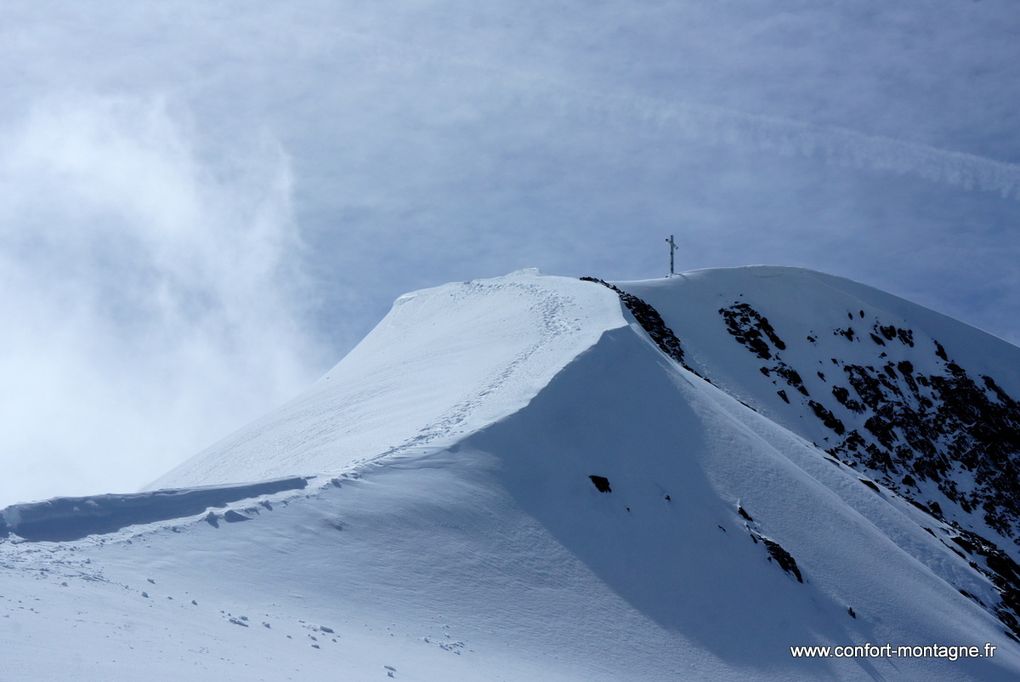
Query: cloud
x=152 y=300
x=716 y=125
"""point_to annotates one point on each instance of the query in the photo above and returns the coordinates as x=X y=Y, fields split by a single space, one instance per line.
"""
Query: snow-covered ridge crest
x=443 y=363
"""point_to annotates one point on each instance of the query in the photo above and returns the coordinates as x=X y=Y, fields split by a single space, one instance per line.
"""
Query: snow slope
x=443 y=362
x=455 y=530
x=929 y=379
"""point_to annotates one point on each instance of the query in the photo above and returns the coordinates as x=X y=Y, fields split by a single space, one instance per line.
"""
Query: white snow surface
x=444 y=362
x=462 y=538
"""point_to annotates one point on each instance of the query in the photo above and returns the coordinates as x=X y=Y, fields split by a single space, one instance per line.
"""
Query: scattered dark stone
x=323 y=628
x=862 y=314
x=212 y=519
x=849 y=333
x=668 y=498
x=821 y=375
x=782 y=394
x=850 y=610
x=812 y=339
x=941 y=352
x=194 y=603
x=234 y=517
x=601 y=483
x=743 y=513
x=720 y=528
x=627 y=508
x=908 y=480
x=145 y=595
x=877 y=339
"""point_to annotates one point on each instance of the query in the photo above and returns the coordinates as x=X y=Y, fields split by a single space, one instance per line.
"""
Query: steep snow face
x=444 y=361
x=924 y=404
x=722 y=539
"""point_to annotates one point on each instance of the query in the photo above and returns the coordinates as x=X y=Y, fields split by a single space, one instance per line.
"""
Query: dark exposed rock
x=843 y=396
x=751 y=329
x=781 y=557
x=791 y=376
x=869 y=484
x=743 y=513
x=848 y=333
x=947 y=428
x=827 y=417
x=601 y=483
x=649 y=319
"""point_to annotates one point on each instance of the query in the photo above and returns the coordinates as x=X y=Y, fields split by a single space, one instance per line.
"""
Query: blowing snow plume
x=152 y=299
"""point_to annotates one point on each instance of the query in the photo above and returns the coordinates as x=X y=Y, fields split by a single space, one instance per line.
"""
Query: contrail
x=838 y=146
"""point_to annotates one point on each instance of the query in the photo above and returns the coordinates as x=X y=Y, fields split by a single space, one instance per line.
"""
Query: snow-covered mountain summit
x=549 y=478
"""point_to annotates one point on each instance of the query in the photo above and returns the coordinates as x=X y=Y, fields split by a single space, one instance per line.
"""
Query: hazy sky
x=205 y=205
